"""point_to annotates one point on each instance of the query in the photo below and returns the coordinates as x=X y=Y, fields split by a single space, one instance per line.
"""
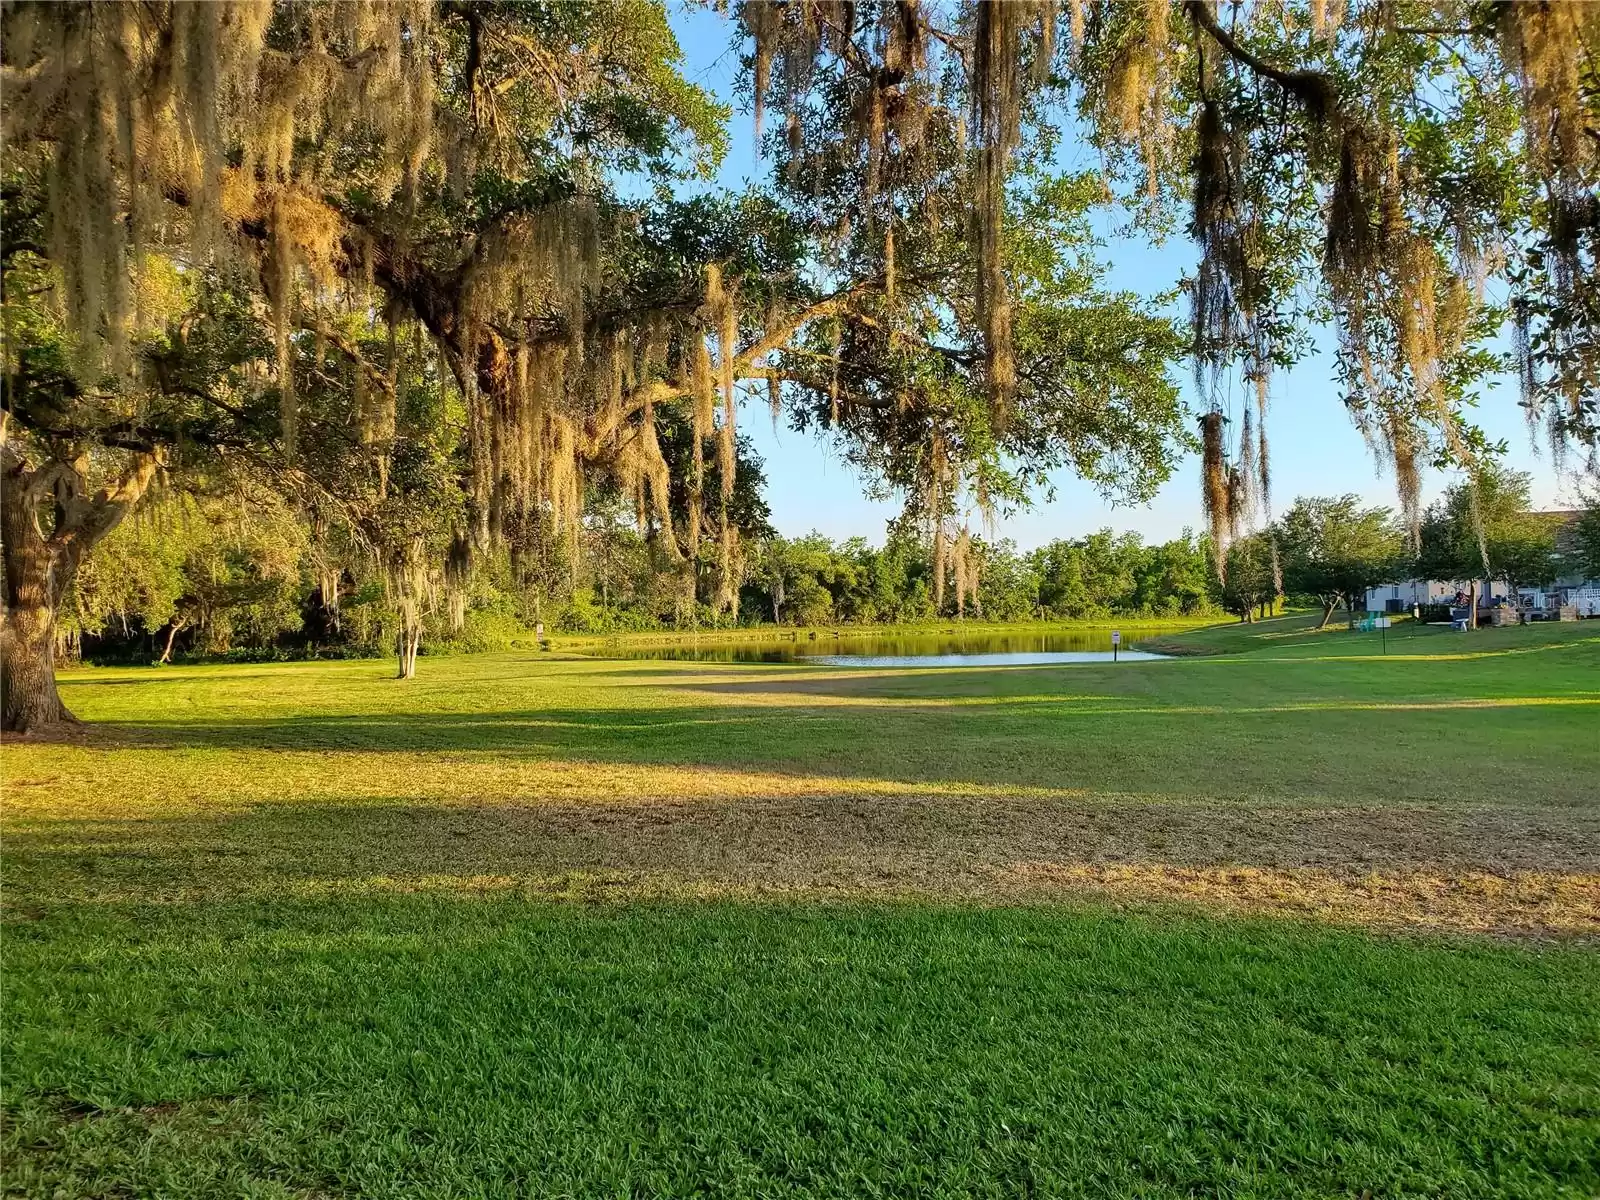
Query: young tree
x=1482 y=529
x=1527 y=557
x=1583 y=556
x=1332 y=548
x=1248 y=584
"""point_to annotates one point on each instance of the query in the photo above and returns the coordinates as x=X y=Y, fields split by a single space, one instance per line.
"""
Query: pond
x=948 y=649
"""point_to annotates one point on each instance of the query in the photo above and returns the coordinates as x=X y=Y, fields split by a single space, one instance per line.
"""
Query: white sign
x=1116 y=637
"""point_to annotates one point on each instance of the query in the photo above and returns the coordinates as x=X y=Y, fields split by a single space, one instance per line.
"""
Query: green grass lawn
x=1290 y=917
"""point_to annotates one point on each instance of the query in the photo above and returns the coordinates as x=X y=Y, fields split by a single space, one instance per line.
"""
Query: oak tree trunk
x=28 y=672
x=28 y=695
x=48 y=521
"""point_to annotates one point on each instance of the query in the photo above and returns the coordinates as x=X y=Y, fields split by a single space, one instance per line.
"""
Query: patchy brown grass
x=1460 y=868
x=1374 y=790
x=1518 y=904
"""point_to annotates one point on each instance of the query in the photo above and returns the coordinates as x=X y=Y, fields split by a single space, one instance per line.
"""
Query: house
x=1413 y=593
x=1571 y=589
x=1419 y=593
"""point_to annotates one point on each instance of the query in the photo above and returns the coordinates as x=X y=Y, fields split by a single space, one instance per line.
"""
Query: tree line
x=242 y=578
x=244 y=574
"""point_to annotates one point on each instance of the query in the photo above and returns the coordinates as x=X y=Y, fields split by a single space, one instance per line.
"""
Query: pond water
x=950 y=649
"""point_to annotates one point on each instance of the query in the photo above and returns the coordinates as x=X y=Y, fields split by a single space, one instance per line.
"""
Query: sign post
x=1116 y=641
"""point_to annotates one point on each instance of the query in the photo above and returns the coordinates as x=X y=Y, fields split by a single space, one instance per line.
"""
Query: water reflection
x=1019 y=658
x=950 y=649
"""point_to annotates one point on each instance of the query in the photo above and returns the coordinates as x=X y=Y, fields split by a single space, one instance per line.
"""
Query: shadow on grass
x=1524 y=753
x=838 y=839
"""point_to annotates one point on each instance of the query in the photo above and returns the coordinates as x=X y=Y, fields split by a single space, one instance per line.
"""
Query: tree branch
x=1314 y=90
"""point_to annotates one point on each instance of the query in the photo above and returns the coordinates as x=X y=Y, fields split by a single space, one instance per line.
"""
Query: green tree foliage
x=1332 y=548
x=1249 y=585
x=912 y=412
x=1107 y=574
x=811 y=580
x=225 y=567
x=1583 y=557
x=1484 y=529
x=1008 y=583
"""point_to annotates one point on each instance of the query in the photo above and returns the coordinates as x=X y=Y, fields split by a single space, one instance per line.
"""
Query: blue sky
x=1316 y=450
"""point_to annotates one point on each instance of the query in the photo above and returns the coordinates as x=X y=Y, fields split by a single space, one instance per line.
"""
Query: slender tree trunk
x=410 y=640
x=172 y=635
x=1472 y=605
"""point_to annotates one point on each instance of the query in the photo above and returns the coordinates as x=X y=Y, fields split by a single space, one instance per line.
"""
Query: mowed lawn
x=1289 y=917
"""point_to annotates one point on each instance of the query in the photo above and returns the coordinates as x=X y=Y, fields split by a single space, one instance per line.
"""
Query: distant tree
x=1107 y=574
x=1250 y=583
x=802 y=578
x=1172 y=578
x=898 y=578
x=769 y=574
x=1008 y=587
x=1583 y=559
x=1483 y=529
x=1085 y=577
x=1332 y=548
